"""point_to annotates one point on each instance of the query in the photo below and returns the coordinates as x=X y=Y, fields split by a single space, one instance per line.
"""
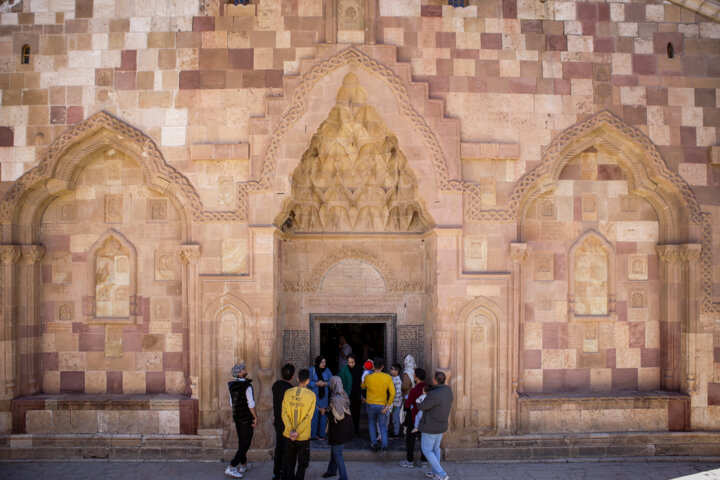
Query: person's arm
x=313 y=378
x=391 y=396
x=251 y=404
x=429 y=402
x=363 y=384
x=286 y=417
x=406 y=382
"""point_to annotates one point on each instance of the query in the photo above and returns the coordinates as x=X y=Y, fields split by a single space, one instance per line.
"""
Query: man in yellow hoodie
x=298 y=407
x=380 y=396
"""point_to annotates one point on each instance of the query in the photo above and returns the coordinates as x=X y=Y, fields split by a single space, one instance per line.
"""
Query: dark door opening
x=367 y=341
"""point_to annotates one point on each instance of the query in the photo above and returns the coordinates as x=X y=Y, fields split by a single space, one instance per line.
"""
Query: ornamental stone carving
x=353 y=177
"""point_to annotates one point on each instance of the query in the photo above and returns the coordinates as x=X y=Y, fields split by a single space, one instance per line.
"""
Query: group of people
x=327 y=407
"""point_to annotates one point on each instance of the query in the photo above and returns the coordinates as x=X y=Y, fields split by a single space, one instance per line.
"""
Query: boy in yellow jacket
x=380 y=395
x=298 y=407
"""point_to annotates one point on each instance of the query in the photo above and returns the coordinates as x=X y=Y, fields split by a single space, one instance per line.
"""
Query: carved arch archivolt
x=62 y=162
x=314 y=281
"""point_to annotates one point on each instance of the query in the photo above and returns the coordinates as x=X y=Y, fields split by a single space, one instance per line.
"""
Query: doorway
x=369 y=336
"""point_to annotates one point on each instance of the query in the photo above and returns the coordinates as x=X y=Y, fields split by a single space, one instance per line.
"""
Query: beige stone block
x=84 y=421
x=127 y=421
x=633 y=95
x=532 y=335
x=148 y=421
x=464 y=67
x=600 y=379
x=694 y=173
x=108 y=421
x=5 y=423
x=532 y=380
x=627 y=357
x=399 y=8
x=38 y=421
x=51 y=382
x=148 y=361
x=652 y=334
x=637 y=231
x=169 y=422
x=81 y=242
x=649 y=378
x=234 y=256
x=175 y=382
x=74 y=361
x=174 y=342
x=622 y=334
x=484 y=290
x=659 y=134
x=681 y=97
x=95 y=382
x=475 y=253
x=133 y=382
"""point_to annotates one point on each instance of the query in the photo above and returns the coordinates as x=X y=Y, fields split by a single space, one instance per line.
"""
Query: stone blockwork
x=522 y=194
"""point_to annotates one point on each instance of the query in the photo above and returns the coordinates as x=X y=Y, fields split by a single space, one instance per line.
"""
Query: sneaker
x=374 y=447
x=430 y=474
x=441 y=477
x=407 y=464
x=243 y=468
x=233 y=472
x=421 y=464
x=383 y=452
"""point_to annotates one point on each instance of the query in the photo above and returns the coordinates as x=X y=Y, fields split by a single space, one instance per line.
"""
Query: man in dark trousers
x=434 y=422
x=278 y=392
x=297 y=411
x=243 y=411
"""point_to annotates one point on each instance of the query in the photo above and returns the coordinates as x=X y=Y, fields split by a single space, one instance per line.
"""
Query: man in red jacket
x=410 y=436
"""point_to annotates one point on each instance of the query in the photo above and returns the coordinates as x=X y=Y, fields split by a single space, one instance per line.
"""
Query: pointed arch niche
x=601 y=311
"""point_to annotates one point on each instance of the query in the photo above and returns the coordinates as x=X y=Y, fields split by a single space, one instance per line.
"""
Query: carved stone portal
x=353 y=177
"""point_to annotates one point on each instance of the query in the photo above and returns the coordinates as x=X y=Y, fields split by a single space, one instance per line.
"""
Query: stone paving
x=178 y=470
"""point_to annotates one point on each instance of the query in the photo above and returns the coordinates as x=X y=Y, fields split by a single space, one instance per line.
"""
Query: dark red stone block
x=577 y=380
x=203 y=24
x=75 y=114
x=643 y=64
x=688 y=136
x=155 y=382
x=650 y=357
x=661 y=40
x=657 y=95
x=124 y=80
x=637 y=334
x=693 y=66
x=431 y=11
x=586 y=11
x=509 y=8
x=172 y=361
x=554 y=380
x=50 y=361
x=713 y=65
x=610 y=362
x=634 y=12
x=83 y=8
x=58 y=115
x=557 y=43
x=72 y=382
x=604 y=44
x=609 y=172
x=532 y=359
x=635 y=115
x=679 y=413
x=716 y=354
x=92 y=342
x=7 y=137
x=603 y=10
x=491 y=41
x=128 y=60
x=624 y=379
x=240 y=58
x=114 y=382
x=189 y=80
x=577 y=70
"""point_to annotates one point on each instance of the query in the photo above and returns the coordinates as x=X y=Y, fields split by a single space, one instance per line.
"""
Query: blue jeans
x=318 y=425
x=337 y=462
x=396 y=419
x=430 y=444
x=375 y=414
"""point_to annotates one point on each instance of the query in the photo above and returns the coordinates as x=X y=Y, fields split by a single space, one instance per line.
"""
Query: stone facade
x=523 y=194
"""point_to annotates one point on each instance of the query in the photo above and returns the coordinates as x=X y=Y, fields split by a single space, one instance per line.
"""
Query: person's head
x=352 y=361
x=426 y=388
x=439 y=378
x=395 y=369
x=303 y=377
x=342 y=340
x=409 y=361
x=320 y=362
x=378 y=364
x=336 y=385
x=368 y=365
x=287 y=371
x=239 y=371
x=419 y=375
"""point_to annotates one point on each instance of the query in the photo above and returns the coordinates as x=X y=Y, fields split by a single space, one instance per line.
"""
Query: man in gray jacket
x=434 y=422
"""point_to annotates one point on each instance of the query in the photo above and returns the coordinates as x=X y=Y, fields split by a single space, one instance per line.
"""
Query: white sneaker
x=440 y=477
x=407 y=464
x=243 y=468
x=233 y=472
x=430 y=474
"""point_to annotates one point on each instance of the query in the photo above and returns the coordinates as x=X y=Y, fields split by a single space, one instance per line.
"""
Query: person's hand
x=385 y=410
x=293 y=435
x=322 y=411
x=254 y=423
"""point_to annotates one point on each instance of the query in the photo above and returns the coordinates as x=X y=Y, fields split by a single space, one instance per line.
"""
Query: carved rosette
x=519 y=253
x=190 y=254
x=31 y=254
x=668 y=253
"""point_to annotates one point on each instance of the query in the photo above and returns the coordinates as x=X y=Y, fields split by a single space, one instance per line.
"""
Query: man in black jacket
x=243 y=411
x=278 y=391
x=434 y=422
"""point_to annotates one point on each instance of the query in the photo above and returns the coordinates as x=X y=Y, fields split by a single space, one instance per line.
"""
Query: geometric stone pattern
x=296 y=347
x=411 y=340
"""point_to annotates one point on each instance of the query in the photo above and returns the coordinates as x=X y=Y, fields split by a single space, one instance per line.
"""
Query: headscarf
x=356 y=373
x=339 y=401
x=319 y=371
x=410 y=368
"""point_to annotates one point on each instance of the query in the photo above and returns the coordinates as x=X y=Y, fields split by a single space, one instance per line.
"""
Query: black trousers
x=355 y=404
x=278 y=458
x=297 y=452
x=245 y=434
x=410 y=444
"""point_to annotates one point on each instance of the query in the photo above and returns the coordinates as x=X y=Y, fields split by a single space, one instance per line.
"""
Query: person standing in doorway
x=340 y=428
x=243 y=412
x=278 y=392
x=344 y=349
x=297 y=411
x=434 y=423
x=380 y=395
x=319 y=376
x=354 y=390
x=397 y=404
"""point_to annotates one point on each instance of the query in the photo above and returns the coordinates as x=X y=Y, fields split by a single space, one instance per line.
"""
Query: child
x=397 y=401
x=368 y=369
x=420 y=413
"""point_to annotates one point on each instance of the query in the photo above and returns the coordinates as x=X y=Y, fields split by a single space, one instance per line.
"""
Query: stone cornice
x=707 y=8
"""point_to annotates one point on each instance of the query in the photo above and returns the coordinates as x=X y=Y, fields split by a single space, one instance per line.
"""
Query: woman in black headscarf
x=355 y=392
x=319 y=378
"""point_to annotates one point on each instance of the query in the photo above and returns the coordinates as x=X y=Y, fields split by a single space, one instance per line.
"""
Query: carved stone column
x=670 y=315
x=9 y=255
x=189 y=256
x=29 y=345
x=692 y=278
x=518 y=257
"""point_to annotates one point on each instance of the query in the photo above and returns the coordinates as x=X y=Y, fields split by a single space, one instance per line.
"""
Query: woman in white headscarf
x=340 y=428
x=408 y=382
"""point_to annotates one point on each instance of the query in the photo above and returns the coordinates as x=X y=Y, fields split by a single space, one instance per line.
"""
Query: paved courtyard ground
x=174 y=470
